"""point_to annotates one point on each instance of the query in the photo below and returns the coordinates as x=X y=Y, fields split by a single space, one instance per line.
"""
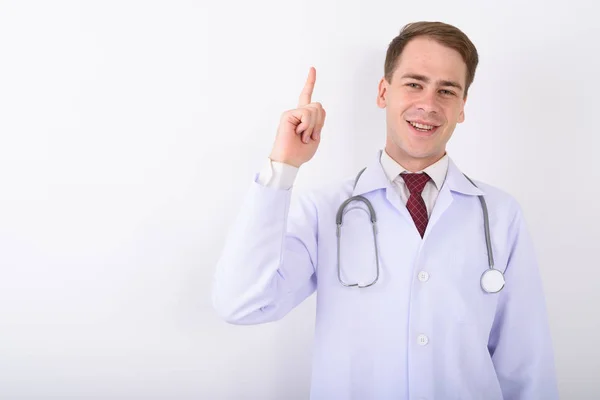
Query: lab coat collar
x=457 y=181
x=374 y=178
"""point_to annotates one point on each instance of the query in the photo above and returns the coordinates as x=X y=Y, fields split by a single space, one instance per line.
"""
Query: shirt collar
x=374 y=178
x=436 y=171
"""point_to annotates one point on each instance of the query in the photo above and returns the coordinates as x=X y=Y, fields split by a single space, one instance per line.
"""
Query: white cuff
x=277 y=175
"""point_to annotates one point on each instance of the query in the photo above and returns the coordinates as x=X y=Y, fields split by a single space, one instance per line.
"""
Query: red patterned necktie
x=416 y=204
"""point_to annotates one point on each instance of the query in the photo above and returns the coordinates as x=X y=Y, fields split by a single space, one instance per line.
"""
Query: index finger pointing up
x=305 y=96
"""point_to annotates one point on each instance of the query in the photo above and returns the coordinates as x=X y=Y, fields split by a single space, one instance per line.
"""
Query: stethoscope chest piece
x=492 y=280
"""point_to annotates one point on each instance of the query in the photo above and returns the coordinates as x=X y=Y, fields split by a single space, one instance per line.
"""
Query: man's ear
x=461 y=116
x=382 y=93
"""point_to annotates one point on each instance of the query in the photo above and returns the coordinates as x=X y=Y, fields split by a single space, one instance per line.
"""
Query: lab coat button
x=423 y=276
x=422 y=340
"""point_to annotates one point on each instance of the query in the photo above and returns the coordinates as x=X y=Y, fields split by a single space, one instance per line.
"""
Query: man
x=422 y=323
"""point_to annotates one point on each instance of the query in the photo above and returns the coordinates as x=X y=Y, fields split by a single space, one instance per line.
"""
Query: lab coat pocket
x=470 y=349
x=472 y=303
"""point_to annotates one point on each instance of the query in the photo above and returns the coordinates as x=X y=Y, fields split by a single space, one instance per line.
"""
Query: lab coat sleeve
x=520 y=342
x=267 y=266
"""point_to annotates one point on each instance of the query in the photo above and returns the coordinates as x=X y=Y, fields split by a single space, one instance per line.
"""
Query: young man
x=414 y=298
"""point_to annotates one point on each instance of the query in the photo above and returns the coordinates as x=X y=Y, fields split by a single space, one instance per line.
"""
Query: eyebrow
x=425 y=79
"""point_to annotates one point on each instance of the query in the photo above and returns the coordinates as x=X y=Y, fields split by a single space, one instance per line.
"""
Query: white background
x=129 y=131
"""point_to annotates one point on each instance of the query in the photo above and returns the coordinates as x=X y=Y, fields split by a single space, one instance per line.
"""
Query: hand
x=299 y=131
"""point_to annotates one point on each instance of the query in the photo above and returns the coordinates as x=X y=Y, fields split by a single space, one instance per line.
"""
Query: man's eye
x=413 y=85
x=447 y=92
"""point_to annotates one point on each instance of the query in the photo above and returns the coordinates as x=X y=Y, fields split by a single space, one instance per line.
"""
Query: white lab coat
x=426 y=329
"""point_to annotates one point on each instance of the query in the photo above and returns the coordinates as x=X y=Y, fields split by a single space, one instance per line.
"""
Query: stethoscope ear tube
x=492 y=280
x=339 y=221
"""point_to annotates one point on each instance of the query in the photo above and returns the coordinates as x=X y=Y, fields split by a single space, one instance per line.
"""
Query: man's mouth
x=423 y=127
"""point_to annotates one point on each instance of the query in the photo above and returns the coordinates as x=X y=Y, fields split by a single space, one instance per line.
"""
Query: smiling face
x=424 y=101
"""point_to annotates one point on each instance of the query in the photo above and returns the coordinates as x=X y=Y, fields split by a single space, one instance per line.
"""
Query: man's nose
x=429 y=101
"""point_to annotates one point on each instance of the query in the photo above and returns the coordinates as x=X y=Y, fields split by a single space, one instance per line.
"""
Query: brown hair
x=445 y=34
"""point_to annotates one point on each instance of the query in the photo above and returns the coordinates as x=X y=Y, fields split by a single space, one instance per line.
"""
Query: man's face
x=427 y=89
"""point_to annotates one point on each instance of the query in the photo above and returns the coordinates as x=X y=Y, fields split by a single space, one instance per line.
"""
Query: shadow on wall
x=368 y=120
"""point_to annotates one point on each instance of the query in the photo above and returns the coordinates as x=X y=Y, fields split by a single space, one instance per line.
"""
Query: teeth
x=421 y=126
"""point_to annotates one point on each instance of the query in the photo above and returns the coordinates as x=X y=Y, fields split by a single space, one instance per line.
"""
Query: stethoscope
x=492 y=280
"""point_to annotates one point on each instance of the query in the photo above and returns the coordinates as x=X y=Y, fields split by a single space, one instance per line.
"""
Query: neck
x=410 y=163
